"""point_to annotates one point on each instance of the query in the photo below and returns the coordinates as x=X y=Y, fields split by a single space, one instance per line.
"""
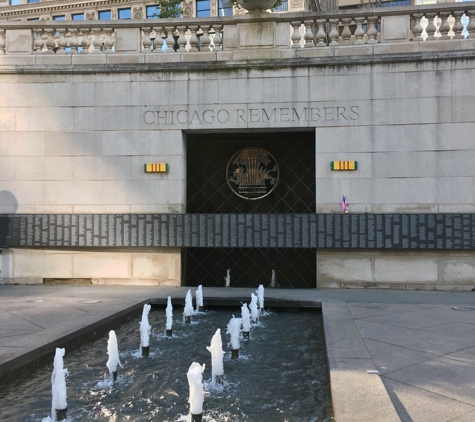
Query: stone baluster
x=444 y=26
x=334 y=34
x=217 y=40
x=73 y=42
x=170 y=40
x=2 y=42
x=50 y=44
x=471 y=24
x=321 y=35
x=97 y=42
x=146 y=41
x=372 y=31
x=181 y=40
x=205 y=38
x=359 y=32
x=194 y=41
x=417 y=27
x=308 y=36
x=108 y=43
x=62 y=43
x=39 y=42
x=85 y=41
x=296 y=34
x=158 y=40
x=346 y=33
x=458 y=26
x=431 y=28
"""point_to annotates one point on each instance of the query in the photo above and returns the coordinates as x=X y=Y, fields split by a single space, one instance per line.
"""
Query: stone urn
x=256 y=6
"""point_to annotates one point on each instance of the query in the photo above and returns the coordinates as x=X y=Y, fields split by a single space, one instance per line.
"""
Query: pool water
x=281 y=374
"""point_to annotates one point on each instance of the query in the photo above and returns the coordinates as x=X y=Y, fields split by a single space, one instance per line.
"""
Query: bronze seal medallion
x=252 y=173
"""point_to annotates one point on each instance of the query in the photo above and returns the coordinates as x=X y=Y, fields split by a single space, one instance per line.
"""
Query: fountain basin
x=260 y=380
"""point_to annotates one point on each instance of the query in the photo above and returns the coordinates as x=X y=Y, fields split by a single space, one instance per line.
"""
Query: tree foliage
x=168 y=9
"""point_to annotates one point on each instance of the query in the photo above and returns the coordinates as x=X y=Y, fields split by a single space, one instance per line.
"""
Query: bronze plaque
x=252 y=173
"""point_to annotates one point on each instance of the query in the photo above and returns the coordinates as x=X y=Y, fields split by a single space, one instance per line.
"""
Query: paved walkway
x=421 y=343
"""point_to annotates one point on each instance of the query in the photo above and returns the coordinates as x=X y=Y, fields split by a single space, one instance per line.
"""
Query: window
x=105 y=15
x=59 y=18
x=77 y=16
x=33 y=1
x=33 y=19
x=153 y=12
x=203 y=8
x=125 y=13
x=225 y=8
x=15 y=2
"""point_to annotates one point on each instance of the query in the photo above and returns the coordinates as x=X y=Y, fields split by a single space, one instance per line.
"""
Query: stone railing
x=265 y=36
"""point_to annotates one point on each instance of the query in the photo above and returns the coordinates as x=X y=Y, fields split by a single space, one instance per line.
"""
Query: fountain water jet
x=169 y=313
x=188 y=311
x=217 y=354
x=228 y=277
x=145 y=330
x=113 y=352
x=246 y=320
x=260 y=295
x=234 y=329
x=254 y=310
x=273 y=280
x=59 y=405
x=199 y=298
x=195 y=381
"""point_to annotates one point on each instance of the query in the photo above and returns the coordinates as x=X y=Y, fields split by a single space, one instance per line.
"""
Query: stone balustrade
x=264 y=36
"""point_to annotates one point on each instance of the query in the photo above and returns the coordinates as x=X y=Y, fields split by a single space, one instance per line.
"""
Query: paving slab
x=418 y=405
x=409 y=338
x=370 y=310
x=454 y=329
x=342 y=337
x=424 y=318
x=389 y=357
x=467 y=417
x=442 y=376
x=466 y=356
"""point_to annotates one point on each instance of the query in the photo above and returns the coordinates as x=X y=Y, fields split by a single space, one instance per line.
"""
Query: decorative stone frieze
x=138 y=13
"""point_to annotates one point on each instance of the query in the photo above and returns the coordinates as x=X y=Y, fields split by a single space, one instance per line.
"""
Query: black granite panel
x=348 y=231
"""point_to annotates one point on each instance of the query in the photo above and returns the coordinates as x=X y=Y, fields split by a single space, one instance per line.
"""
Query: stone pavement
x=421 y=343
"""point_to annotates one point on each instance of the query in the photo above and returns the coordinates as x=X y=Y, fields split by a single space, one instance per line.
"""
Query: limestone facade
x=118 y=9
x=76 y=131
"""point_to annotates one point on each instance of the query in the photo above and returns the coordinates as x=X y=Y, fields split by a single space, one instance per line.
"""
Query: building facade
x=381 y=117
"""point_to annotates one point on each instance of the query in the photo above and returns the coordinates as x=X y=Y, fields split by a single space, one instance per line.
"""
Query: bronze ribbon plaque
x=252 y=173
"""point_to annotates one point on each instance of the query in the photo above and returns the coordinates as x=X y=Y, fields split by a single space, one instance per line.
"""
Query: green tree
x=168 y=9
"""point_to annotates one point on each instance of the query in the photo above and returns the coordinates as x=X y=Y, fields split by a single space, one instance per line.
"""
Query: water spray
x=169 y=312
x=234 y=329
x=145 y=331
x=188 y=311
x=195 y=381
x=217 y=354
x=59 y=403
x=113 y=351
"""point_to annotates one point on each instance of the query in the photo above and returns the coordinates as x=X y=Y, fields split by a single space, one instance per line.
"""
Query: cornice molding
x=214 y=66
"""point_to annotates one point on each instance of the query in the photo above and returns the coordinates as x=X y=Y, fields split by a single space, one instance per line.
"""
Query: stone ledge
x=97 y=63
x=20 y=280
x=396 y=286
x=134 y=282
